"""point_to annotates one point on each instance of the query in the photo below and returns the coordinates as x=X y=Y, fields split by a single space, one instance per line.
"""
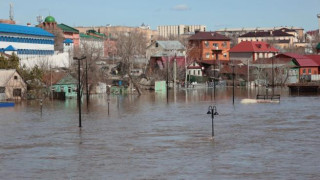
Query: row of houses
x=207 y=51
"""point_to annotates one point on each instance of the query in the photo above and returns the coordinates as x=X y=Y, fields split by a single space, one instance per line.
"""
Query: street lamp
x=213 y=111
x=78 y=90
x=233 y=75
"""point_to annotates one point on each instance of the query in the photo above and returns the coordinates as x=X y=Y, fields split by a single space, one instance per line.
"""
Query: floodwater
x=147 y=137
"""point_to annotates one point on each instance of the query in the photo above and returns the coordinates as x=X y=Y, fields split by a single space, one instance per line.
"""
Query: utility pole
x=79 y=86
x=167 y=79
x=87 y=87
x=233 y=84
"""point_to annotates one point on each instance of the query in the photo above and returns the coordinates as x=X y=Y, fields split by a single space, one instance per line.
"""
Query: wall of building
x=208 y=46
x=15 y=83
x=57 y=60
x=176 y=30
x=309 y=70
x=242 y=56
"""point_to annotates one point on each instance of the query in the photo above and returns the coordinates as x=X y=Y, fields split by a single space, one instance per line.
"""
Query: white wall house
x=33 y=45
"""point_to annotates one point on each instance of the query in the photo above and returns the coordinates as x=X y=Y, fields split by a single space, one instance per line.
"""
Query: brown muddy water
x=147 y=138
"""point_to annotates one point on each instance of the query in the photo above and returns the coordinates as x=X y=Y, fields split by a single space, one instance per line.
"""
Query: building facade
x=12 y=86
x=177 y=30
x=26 y=42
x=208 y=47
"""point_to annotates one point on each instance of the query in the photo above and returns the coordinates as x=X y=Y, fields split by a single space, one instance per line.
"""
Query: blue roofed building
x=29 y=43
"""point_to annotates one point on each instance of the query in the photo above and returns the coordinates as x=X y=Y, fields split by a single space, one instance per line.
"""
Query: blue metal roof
x=68 y=41
x=10 y=48
x=19 y=29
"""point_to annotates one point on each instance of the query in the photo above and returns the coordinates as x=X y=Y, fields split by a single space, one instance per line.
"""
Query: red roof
x=208 y=36
x=315 y=58
x=303 y=61
x=253 y=46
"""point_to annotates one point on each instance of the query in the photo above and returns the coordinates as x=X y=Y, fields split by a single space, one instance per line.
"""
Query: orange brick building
x=209 y=48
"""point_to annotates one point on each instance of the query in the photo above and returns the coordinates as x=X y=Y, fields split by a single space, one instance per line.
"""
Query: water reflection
x=146 y=138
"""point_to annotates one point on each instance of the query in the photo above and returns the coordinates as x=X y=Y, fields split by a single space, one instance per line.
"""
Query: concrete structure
x=12 y=86
x=251 y=51
x=177 y=30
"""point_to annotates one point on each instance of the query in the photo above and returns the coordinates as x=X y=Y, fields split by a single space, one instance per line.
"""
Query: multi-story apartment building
x=177 y=30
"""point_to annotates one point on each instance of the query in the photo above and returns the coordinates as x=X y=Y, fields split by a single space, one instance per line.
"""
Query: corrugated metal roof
x=19 y=29
x=5 y=75
x=168 y=45
x=82 y=35
x=303 y=61
x=66 y=28
x=209 y=36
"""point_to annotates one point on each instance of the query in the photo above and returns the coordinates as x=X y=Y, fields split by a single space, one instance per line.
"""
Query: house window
x=199 y=72
x=215 y=45
x=309 y=71
x=15 y=77
x=207 y=55
x=225 y=55
x=69 y=89
x=62 y=89
x=206 y=43
x=2 y=89
x=194 y=72
x=16 y=92
x=304 y=71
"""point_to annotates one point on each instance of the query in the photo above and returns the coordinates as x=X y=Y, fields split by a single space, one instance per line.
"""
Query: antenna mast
x=11 y=12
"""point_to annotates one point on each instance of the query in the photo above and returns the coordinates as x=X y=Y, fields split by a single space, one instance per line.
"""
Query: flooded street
x=147 y=138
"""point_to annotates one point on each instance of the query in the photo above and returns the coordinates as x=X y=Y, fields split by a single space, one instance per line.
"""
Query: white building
x=33 y=45
x=176 y=30
x=92 y=45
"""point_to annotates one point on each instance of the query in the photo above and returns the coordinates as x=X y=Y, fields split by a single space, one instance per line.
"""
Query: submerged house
x=12 y=86
x=61 y=82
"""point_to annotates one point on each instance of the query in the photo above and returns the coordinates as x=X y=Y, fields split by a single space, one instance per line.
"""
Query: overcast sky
x=215 y=14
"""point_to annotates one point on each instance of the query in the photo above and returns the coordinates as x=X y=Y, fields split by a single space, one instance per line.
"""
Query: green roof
x=68 y=79
x=50 y=19
x=318 y=46
x=66 y=28
x=96 y=33
x=82 y=35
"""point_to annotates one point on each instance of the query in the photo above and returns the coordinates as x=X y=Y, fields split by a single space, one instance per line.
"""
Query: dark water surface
x=147 y=138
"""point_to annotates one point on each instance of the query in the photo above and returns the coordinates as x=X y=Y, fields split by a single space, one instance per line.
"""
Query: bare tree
x=129 y=46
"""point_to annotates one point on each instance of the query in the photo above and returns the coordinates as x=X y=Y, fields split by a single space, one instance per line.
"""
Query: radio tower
x=11 y=12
